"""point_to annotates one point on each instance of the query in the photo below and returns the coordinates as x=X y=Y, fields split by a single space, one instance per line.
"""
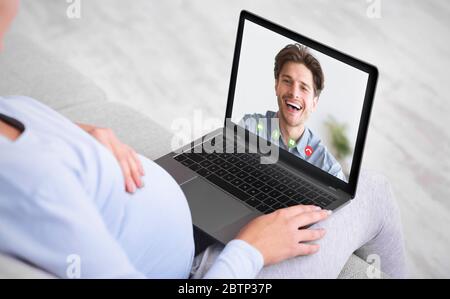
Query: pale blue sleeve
x=55 y=223
x=237 y=260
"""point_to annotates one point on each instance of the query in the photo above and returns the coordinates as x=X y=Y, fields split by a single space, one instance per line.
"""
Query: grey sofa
x=27 y=70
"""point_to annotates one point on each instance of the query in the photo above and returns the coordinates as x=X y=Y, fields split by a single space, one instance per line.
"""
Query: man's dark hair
x=300 y=54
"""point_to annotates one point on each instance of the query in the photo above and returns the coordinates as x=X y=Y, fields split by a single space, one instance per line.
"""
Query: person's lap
x=369 y=224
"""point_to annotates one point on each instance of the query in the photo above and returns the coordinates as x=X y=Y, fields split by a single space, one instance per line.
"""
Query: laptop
x=294 y=131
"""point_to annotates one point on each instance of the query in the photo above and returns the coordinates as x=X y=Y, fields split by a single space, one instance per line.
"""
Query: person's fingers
x=138 y=161
x=128 y=160
x=134 y=170
x=299 y=209
x=129 y=183
x=309 y=218
x=306 y=235
x=307 y=249
x=128 y=164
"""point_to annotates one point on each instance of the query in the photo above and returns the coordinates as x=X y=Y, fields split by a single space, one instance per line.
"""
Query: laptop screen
x=302 y=100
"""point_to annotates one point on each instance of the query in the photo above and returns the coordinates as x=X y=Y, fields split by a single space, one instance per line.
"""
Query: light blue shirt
x=267 y=126
x=62 y=195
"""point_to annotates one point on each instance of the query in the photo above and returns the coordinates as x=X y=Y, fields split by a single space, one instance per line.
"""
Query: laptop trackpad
x=212 y=208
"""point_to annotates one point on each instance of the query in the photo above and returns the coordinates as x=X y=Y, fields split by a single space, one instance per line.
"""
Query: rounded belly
x=156 y=230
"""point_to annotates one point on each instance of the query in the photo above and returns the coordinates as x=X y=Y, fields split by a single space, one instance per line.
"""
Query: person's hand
x=280 y=235
x=128 y=160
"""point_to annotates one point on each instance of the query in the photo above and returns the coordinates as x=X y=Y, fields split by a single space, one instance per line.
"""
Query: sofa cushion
x=26 y=69
x=11 y=267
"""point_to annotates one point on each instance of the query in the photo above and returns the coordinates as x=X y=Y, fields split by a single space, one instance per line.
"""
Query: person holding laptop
x=299 y=80
x=76 y=190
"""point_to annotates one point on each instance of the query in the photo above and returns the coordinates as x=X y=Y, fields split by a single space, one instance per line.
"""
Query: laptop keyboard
x=266 y=187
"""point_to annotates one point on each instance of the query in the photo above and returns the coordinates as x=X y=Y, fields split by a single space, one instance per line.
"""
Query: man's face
x=8 y=10
x=295 y=92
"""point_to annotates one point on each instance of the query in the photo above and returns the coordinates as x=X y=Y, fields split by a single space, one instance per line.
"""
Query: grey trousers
x=368 y=226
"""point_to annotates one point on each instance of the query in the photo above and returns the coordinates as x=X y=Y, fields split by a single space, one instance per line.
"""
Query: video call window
x=300 y=99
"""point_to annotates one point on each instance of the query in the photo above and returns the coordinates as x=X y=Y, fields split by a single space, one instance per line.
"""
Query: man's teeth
x=293 y=105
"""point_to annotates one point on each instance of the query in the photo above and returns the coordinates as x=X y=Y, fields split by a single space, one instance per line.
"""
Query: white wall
x=342 y=96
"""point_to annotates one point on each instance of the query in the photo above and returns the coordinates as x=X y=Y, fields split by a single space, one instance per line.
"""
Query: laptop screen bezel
x=285 y=156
